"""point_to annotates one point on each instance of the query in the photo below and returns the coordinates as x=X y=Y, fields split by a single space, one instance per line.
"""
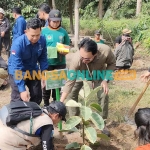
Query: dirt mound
x=122 y=138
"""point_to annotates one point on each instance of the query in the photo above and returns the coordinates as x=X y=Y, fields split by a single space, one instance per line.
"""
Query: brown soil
x=122 y=135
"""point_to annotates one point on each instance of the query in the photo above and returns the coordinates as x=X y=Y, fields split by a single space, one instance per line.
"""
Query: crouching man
x=42 y=128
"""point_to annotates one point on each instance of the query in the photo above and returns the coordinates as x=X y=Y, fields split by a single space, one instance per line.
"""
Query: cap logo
x=56 y=15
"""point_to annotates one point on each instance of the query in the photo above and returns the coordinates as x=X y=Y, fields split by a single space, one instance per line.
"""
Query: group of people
x=28 y=52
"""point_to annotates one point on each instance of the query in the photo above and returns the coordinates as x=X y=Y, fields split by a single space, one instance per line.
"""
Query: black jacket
x=5 y=26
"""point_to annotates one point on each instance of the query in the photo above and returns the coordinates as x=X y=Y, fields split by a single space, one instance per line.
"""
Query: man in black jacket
x=4 y=32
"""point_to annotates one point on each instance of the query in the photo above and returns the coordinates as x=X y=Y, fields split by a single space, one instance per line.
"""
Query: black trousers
x=6 y=42
x=34 y=89
x=47 y=93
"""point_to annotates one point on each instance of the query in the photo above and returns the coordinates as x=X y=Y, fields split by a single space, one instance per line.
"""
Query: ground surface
x=122 y=96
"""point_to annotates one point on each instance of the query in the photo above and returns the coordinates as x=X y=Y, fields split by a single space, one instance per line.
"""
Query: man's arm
x=74 y=66
x=43 y=58
x=47 y=137
x=17 y=65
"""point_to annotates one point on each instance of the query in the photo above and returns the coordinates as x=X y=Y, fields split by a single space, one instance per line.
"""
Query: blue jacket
x=19 y=27
x=25 y=56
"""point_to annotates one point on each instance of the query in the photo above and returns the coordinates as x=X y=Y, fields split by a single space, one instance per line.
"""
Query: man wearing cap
x=54 y=33
x=4 y=32
x=20 y=24
x=42 y=128
x=43 y=13
x=97 y=37
x=124 y=51
x=125 y=35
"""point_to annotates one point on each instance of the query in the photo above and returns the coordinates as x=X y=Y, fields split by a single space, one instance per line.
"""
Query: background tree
x=138 y=7
x=100 y=9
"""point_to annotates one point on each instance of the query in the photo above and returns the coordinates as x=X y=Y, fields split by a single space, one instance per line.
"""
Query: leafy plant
x=89 y=112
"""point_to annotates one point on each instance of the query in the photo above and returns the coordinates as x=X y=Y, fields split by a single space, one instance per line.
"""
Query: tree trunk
x=76 y=36
x=50 y=3
x=53 y=4
x=100 y=9
x=71 y=16
x=138 y=7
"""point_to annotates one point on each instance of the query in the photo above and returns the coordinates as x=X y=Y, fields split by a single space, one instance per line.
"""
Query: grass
x=122 y=99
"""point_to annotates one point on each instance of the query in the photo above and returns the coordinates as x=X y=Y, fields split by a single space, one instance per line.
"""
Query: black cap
x=97 y=32
x=55 y=15
x=60 y=108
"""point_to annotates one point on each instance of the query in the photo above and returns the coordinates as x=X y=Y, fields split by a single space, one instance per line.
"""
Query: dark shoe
x=106 y=131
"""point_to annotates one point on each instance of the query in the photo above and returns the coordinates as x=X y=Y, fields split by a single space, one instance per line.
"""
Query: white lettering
x=44 y=145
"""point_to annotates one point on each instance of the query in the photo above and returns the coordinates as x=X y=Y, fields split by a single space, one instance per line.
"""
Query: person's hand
x=2 y=34
x=104 y=84
x=43 y=83
x=63 y=53
x=145 y=77
x=24 y=96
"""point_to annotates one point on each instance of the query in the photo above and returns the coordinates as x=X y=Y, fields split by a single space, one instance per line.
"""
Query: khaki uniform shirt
x=104 y=60
x=14 y=140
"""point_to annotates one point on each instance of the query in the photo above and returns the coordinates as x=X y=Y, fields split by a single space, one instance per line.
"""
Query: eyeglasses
x=87 y=59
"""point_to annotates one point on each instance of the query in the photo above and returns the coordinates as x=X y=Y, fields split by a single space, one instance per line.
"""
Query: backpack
x=16 y=112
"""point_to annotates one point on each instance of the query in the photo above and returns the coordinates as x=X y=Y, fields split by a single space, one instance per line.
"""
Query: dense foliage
x=117 y=15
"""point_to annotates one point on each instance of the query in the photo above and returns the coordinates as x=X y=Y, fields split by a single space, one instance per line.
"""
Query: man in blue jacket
x=20 y=24
x=43 y=13
x=28 y=50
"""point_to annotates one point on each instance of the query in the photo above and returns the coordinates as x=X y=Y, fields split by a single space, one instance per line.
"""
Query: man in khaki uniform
x=91 y=56
x=11 y=139
x=3 y=73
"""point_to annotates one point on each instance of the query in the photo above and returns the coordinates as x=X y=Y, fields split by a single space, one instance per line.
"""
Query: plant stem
x=83 y=131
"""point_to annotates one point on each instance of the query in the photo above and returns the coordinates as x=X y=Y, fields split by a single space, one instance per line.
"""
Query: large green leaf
x=73 y=145
x=85 y=147
x=97 y=120
x=91 y=134
x=72 y=122
x=73 y=103
x=96 y=107
x=103 y=136
x=87 y=89
x=85 y=112
x=92 y=93
x=74 y=129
